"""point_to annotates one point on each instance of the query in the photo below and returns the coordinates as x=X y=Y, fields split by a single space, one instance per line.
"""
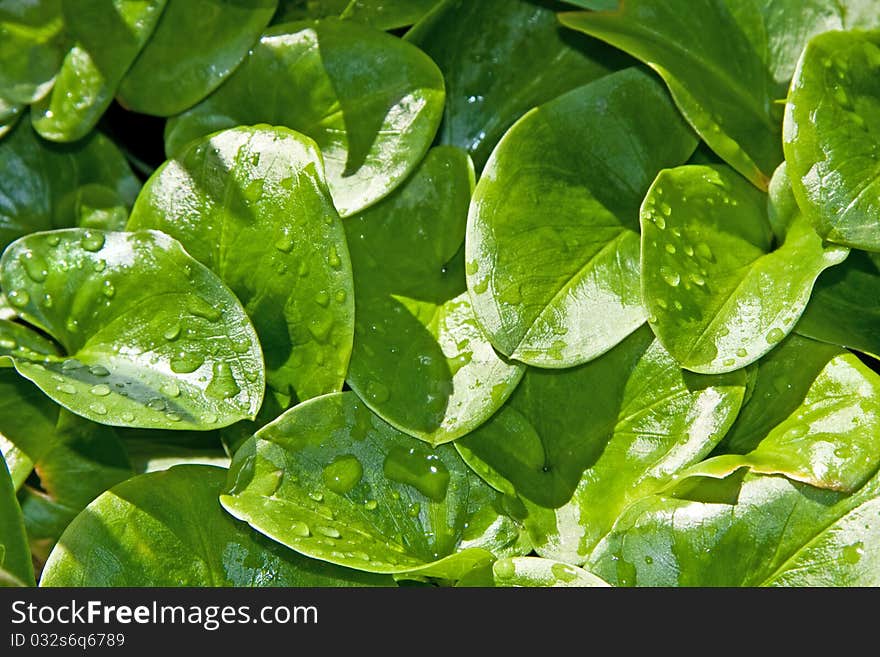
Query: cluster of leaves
x=524 y=294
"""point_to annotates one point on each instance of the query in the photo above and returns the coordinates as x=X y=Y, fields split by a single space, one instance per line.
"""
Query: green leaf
x=420 y=361
x=167 y=529
x=648 y=419
x=152 y=338
x=107 y=38
x=46 y=186
x=31 y=48
x=370 y=101
x=298 y=10
x=16 y=568
x=718 y=296
x=814 y=416
x=333 y=481
x=196 y=45
x=252 y=205
x=501 y=58
x=388 y=14
x=552 y=243
x=831 y=138
x=712 y=58
x=772 y=532
x=845 y=306
x=537 y=572
x=9 y=113
x=75 y=460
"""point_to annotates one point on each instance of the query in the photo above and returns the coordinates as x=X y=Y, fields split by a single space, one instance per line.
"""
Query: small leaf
x=167 y=529
x=719 y=297
x=420 y=361
x=831 y=143
x=196 y=45
x=252 y=205
x=152 y=338
x=333 y=481
x=31 y=48
x=370 y=101
x=48 y=186
x=552 y=242
x=107 y=39
x=814 y=416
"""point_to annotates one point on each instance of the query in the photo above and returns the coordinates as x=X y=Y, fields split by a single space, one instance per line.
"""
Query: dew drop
x=172 y=332
x=300 y=529
x=92 y=241
x=100 y=390
x=98 y=409
x=333 y=258
x=418 y=468
x=99 y=370
x=172 y=417
x=285 y=243
x=670 y=249
x=672 y=277
x=741 y=352
x=108 y=289
x=342 y=474
x=322 y=299
x=222 y=384
x=378 y=392
x=48 y=302
x=66 y=388
x=340 y=296
x=19 y=298
x=370 y=505
x=775 y=335
x=329 y=532
x=170 y=389
x=185 y=362
x=317 y=496
x=34 y=266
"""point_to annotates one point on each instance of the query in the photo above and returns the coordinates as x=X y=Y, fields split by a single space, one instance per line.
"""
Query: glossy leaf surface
x=168 y=529
x=46 y=186
x=15 y=557
x=832 y=136
x=333 y=481
x=195 y=46
x=711 y=58
x=252 y=205
x=31 y=48
x=592 y=439
x=152 y=338
x=107 y=37
x=420 y=361
x=552 y=241
x=370 y=101
x=718 y=296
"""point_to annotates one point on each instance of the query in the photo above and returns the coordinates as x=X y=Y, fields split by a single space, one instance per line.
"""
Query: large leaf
x=552 y=248
x=501 y=58
x=31 y=48
x=107 y=37
x=592 y=439
x=252 y=205
x=845 y=306
x=152 y=338
x=832 y=136
x=16 y=568
x=711 y=55
x=370 y=101
x=719 y=298
x=196 y=45
x=766 y=531
x=420 y=361
x=814 y=416
x=333 y=481
x=47 y=186
x=168 y=529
